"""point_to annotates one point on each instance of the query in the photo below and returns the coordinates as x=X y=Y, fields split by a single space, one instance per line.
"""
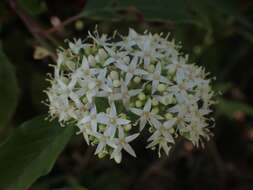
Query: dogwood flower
x=131 y=69
x=112 y=120
x=156 y=78
x=108 y=86
x=123 y=143
x=146 y=115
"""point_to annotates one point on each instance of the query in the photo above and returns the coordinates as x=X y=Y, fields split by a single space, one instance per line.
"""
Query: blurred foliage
x=30 y=152
x=9 y=91
x=218 y=34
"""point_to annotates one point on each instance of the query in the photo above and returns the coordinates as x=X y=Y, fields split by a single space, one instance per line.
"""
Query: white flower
x=91 y=119
x=131 y=69
x=76 y=46
x=104 y=140
x=123 y=143
x=95 y=79
x=114 y=56
x=156 y=78
x=148 y=51
x=146 y=115
x=125 y=94
x=112 y=120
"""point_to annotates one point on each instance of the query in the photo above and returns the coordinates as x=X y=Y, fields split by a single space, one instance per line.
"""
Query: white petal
x=94 y=110
x=143 y=122
x=154 y=122
x=86 y=137
x=169 y=137
x=100 y=147
x=117 y=155
x=86 y=119
x=102 y=118
x=122 y=121
x=154 y=136
x=110 y=131
x=134 y=92
x=158 y=68
x=113 y=111
x=168 y=124
x=140 y=72
x=94 y=125
x=109 y=61
x=165 y=80
x=136 y=111
x=166 y=148
x=121 y=66
x=129 y=149
x=154 y=85
x=121 y=133
x=132 y=137
x=72 y=83
x=129 y=76
x=85 y=63
x=147 y=106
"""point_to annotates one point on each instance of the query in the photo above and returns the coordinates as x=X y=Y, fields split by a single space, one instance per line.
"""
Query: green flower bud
x=161 y=87
x=168 y=116
x=151 y=68
x=79 y=25
x=142 y=96
x=132 y=104
x=171 y=72
x=114 y=75
x=172 y=130
x=116 y=83
x=84 y=100
x=149 y=87
x=154 y=102
x=155 y=110
x=137 y=79
x=138 y=103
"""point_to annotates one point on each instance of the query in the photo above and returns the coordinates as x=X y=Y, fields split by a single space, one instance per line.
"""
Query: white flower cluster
x=113 y=89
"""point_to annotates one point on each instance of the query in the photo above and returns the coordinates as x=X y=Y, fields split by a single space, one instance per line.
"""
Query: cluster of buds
x=113 y=89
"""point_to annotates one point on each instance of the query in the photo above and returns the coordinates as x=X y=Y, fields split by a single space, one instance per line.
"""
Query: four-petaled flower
x=111 y=120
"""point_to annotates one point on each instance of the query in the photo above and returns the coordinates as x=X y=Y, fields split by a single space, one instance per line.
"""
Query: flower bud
x=161 y=87
x=137 y=79
x=138 y=103
x=142 y=96
x=116 y=83
x=154 y=102
x=114 y=75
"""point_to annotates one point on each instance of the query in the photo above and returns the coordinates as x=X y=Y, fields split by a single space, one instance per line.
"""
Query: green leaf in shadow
x=8 y=90
x=31 y=152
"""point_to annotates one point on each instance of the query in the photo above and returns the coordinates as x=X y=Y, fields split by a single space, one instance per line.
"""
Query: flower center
x=113 y=120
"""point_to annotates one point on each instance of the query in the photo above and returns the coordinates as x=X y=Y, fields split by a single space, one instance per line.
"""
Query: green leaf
x=9 y=90
x=197 y=12
x=229 y=107
x=31 y=152
x=152 y=10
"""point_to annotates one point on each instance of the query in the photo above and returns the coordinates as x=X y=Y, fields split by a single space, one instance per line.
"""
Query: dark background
x=217 y=34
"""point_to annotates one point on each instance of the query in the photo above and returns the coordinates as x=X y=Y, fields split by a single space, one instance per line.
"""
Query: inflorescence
x=113 y=90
